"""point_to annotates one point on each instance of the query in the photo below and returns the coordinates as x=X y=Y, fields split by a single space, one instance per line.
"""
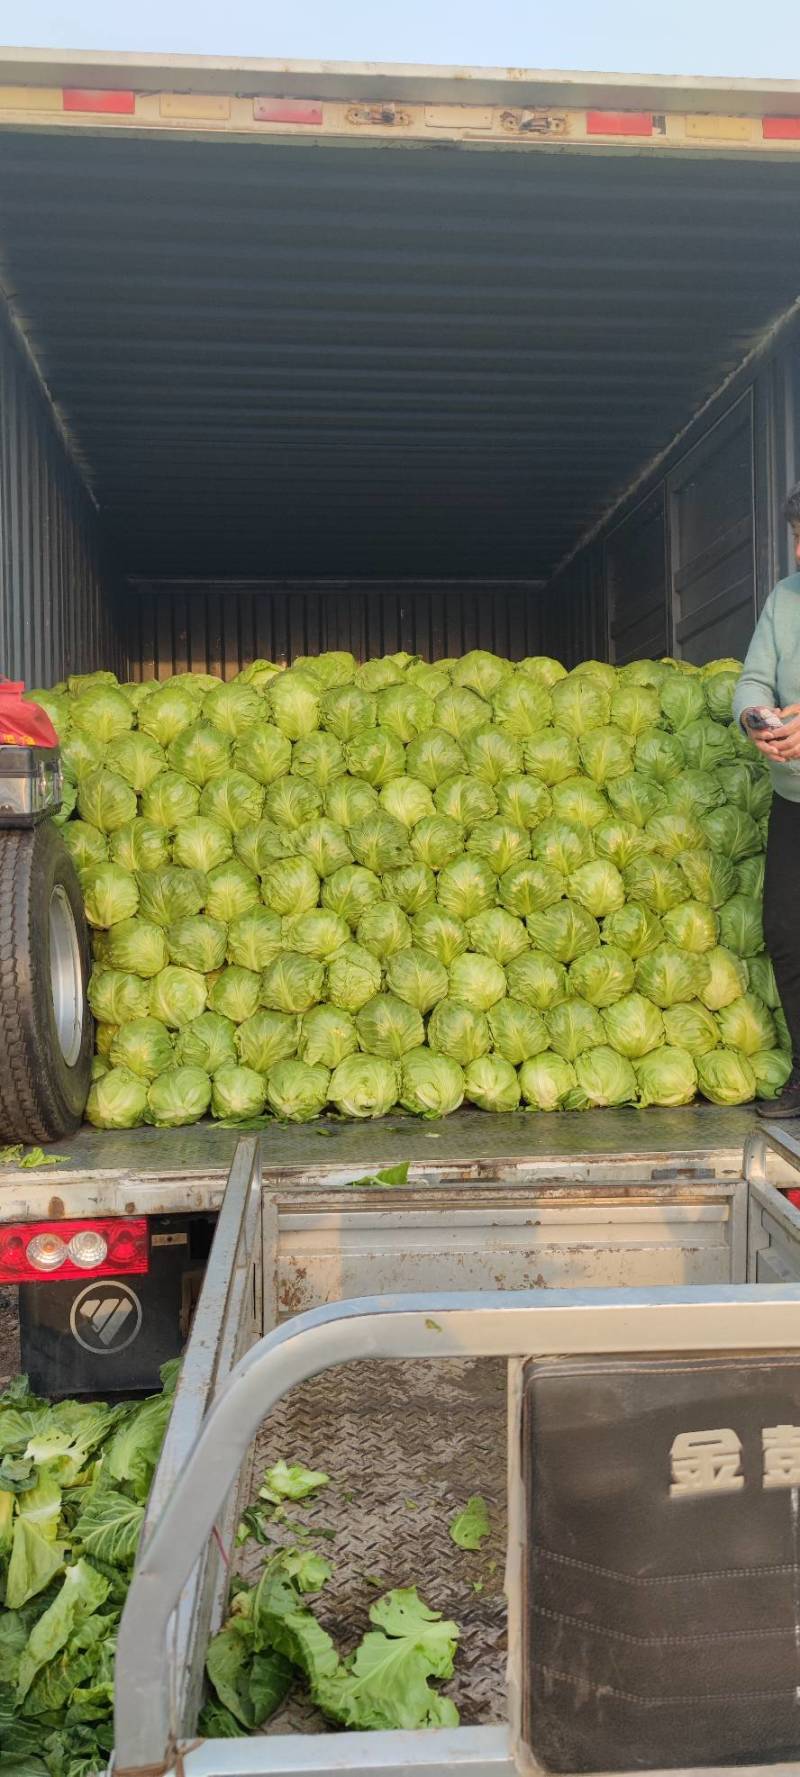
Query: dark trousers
x=782 y=909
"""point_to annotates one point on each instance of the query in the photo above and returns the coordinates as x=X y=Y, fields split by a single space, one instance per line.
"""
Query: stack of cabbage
x=358 y=887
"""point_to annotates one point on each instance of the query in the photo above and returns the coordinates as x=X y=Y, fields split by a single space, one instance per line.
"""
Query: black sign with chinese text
x=662 y=1581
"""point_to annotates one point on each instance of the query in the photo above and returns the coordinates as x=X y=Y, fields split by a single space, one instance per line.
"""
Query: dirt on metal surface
x=9 y=1334
x=405 y=1446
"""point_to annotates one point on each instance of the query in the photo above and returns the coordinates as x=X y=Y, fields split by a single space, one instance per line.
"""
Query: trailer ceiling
x=371 y=361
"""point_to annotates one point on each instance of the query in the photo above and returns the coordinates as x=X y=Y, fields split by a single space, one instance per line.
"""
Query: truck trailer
x=303 y=357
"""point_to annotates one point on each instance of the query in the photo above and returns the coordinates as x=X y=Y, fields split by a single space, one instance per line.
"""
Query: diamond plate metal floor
x=206 y=1147
x=405 y=1446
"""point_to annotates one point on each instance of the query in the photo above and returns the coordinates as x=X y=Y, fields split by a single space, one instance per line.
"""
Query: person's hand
x=787 y=745
x=761 y=738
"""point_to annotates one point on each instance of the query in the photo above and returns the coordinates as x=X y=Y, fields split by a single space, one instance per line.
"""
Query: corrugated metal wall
x=575 y=624
x=635 y=567
x=219 y=626
x=711 y=511
x=56 y=603
x=687 y=562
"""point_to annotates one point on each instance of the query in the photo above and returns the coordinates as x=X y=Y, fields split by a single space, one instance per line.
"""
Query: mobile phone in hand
x=765 y=722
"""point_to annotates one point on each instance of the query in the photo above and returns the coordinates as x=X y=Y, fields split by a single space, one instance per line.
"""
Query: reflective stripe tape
x=287 y=111
x=780 y=129
x=99 y=99
x=199 y=105
x=30 y=98
x=619 y=123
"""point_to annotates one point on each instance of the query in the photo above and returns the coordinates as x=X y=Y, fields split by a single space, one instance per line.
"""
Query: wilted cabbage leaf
x=471 y=1526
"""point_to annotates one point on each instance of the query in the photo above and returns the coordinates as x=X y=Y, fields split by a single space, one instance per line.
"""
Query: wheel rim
x=66 y=976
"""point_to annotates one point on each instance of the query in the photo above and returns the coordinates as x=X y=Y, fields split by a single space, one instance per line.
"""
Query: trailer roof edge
x=465 y=85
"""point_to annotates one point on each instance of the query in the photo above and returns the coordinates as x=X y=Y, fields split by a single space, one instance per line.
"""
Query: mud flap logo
x=105 y=1318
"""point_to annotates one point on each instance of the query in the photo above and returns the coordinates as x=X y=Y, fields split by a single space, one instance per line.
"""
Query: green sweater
x=771 y=671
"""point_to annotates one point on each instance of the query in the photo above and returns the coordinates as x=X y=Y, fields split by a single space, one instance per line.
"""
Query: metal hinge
x=534 y=122
x=379 y=116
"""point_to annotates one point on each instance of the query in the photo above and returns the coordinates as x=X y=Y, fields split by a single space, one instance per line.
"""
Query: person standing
x=766 y=704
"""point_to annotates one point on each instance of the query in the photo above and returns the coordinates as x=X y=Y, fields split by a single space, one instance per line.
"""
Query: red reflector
x=125 y=1239
x=619 y=123
x=108 y=99
x=287 y=111
x=780 y=129
x=794 y=1198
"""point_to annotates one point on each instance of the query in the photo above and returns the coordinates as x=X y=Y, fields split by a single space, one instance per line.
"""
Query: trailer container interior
x=264 y=394
x=307 y=358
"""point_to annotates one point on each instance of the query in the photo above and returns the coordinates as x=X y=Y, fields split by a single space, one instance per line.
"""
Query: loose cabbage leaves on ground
x=471 y=1526
x=68 y=1540
x=273 y=1638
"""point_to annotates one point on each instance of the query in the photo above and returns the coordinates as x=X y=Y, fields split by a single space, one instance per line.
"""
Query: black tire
x=46 y=1030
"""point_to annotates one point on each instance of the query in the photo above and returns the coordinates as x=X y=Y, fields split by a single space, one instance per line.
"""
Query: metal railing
x=515 y=1326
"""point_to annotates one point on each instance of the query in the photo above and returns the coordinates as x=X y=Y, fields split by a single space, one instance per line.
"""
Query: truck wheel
x=46 y=1032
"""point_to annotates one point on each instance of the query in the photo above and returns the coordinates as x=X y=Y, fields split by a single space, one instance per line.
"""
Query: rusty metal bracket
x=379 y=116
x=534 y=122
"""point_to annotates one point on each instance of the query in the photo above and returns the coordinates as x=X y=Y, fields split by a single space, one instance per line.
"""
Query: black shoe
x=787 y=1103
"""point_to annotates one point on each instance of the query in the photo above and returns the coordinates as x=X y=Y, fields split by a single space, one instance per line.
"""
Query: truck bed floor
x=166 y=1160
x=405 y=1445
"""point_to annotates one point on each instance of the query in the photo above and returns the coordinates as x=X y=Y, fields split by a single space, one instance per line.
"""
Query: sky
x=677 y=36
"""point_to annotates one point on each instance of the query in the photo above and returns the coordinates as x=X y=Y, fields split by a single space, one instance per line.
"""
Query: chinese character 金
x=706 y=1462
x=781 y=1444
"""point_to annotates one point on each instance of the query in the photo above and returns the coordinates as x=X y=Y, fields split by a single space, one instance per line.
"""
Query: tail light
x=793 y=1197
x=33 y=1252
